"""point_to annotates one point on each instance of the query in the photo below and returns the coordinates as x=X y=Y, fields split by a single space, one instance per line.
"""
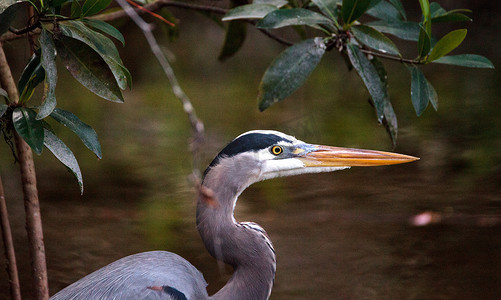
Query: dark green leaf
x=87 y=66
x=424 y=43
x=436 y=10
x=48 y=61
x=451 y=17
x=289 y=71
x=389 y=117
x=102 y=45
x=421 y=91
x=92 y=7
x=249 y=11
x=63 y=154
x=466 y=60
x=353 y=9
x=432 y=95
x=293 y=16
x=385 y=11
x=328 y=8
x=29 y=128
x=8 y=12
x=76 y=9
x=3 y=106
x=408 y=31
x=398 y=5
x=277 y=3
x=235 y=37
x=106 y=28
x=370 y=77
x=446 y=44
x=33 y=74
x=374 y=39
x=84 y=131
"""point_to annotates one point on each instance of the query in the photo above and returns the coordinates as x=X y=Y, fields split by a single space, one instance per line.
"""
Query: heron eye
x=276 y=150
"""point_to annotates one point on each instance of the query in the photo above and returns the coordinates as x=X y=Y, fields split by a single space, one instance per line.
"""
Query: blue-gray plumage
x=251 y=157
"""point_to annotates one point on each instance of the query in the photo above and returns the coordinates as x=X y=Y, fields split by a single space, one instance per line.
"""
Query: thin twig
x=10 y=255
x=196 y=124
x=391 y=57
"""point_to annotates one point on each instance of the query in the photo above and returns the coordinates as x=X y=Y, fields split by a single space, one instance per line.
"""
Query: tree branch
x=197 y=125
x=391 y=57
x=31 y=202
x=10 y=255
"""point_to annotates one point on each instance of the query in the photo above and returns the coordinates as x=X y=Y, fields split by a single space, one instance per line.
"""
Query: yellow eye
x=276 y=150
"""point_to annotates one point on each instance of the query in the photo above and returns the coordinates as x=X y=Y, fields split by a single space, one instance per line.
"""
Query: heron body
x=251 y=157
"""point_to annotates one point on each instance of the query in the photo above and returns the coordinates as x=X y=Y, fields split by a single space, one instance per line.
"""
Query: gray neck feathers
x=245 y=247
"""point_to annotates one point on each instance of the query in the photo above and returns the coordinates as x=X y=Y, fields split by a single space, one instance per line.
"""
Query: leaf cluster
x=85 y=48
x=361 y=31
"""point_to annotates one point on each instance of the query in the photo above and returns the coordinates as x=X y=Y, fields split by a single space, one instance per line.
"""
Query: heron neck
x=239 y=245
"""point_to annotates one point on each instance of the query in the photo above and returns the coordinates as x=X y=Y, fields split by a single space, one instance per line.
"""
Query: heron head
x=263 y=154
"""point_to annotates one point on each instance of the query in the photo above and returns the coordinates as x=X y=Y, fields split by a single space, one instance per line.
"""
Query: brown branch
x=197 y=125
x=10 y=255
x=29 y=182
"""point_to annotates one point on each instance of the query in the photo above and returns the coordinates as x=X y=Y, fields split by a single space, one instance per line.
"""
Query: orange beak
x=327 y=156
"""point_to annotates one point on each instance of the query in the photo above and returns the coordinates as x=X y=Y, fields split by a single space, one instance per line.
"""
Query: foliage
x=85 y=49
x=360 y=30
x=357 y=29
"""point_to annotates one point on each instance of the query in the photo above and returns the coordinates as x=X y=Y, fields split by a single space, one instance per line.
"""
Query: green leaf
x=293 y=16
x=398 y=5
x=408 y=31
x=235 y=37
x=92 y=7
x=422 y=91
x=424 y=43
x=29 y=128
x=76 y=9
x=466 y=60
x=425 y=9
x=3 y=106
x=249 y=11
x=33 y=74
x=389 y=121
x=102 y=45
x=4 y=93
x=87 y=66
x=8 y=12
x=328 y=8
x=451 y=17
x=48 y=61
x=374 y=39
x=438 y=14
x=446 y=44
x=63 y=154
x=353 y=9
x=385 y=11
x=106 y=28
x=276 y=3
x=82 y=130
x=289 y=71
x=370 y=77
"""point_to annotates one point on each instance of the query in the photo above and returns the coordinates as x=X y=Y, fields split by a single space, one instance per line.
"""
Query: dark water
x=346 y=235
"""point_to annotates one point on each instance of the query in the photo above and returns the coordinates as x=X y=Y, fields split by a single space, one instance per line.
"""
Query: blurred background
x=352 y=234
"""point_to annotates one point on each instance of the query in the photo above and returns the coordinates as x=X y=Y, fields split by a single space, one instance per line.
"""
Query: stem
x=10 y=255
x=391 y=57
x=31 y=202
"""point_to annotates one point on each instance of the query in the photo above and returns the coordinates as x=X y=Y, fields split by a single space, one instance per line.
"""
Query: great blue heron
x=253 y=156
